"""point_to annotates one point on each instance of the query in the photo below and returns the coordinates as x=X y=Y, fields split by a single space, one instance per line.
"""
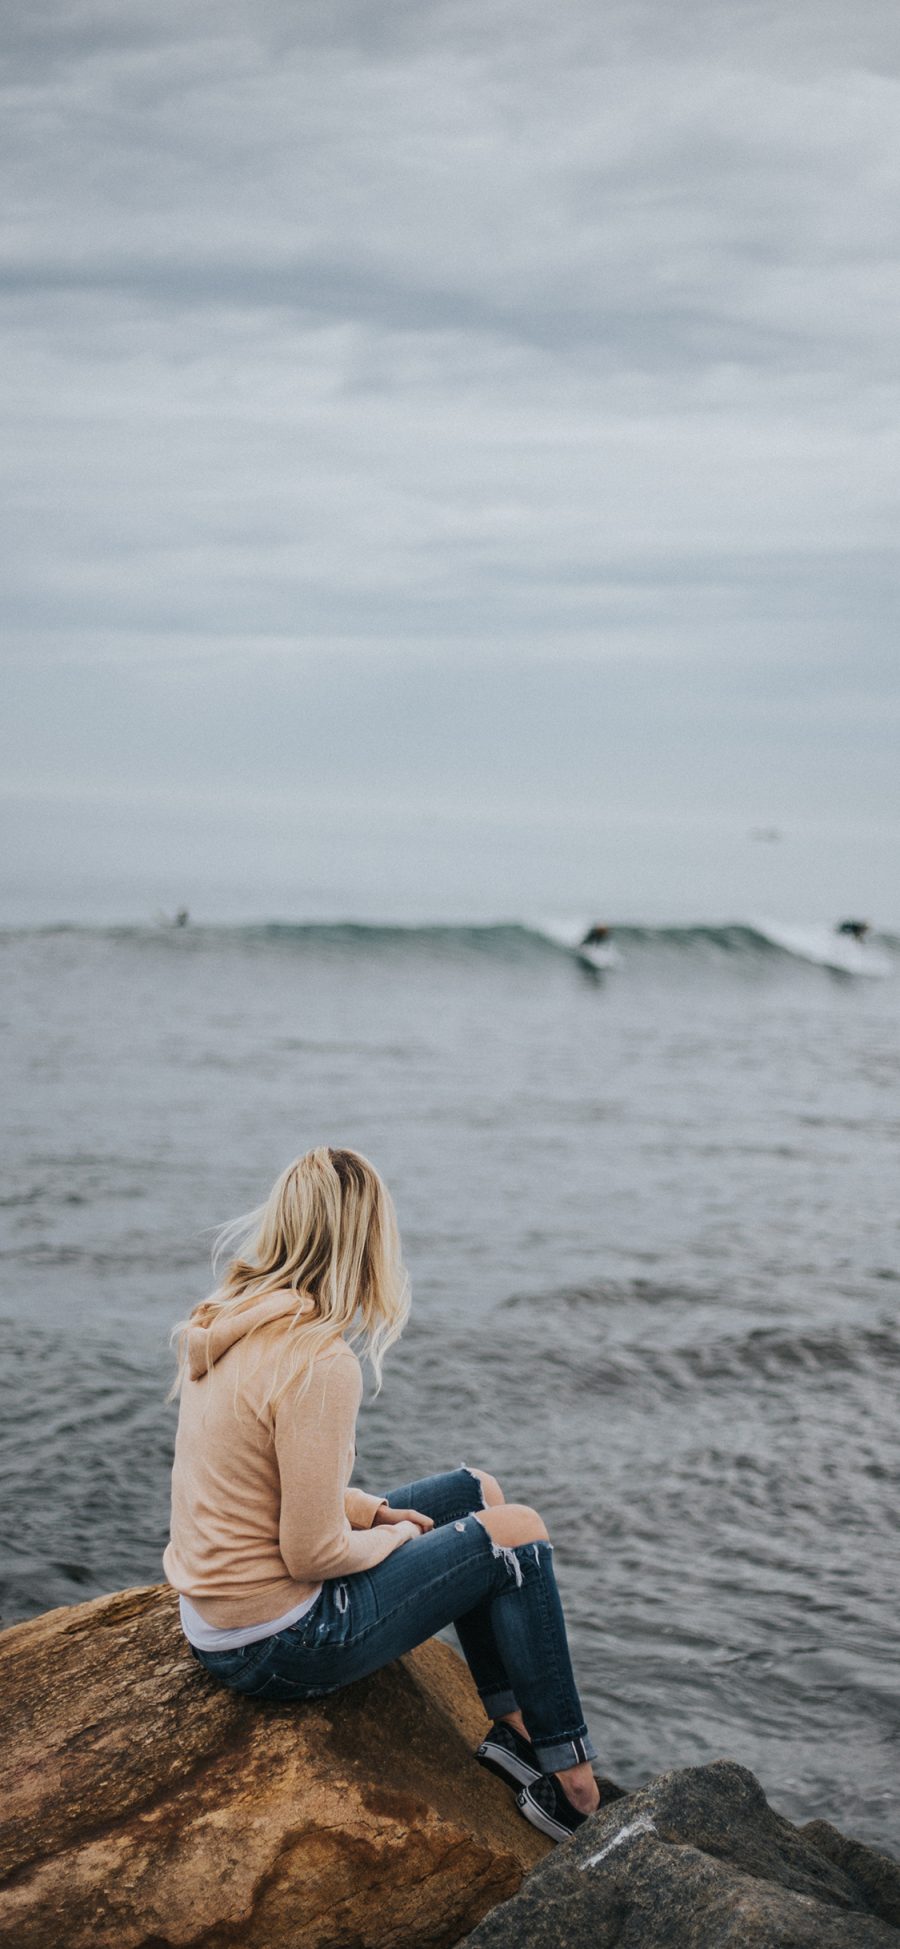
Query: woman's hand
x=388 y=1515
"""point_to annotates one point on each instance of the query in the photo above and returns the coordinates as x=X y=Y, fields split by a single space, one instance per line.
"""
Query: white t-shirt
x=205 y=1637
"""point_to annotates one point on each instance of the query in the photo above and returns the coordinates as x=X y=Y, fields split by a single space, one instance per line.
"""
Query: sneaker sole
x=545 y=1823
x=507 y=1766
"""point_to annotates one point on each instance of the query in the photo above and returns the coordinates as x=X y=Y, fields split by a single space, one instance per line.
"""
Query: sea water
x=650 y=1219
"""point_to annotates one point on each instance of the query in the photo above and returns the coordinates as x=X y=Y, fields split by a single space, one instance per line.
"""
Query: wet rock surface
x=146 y=1808
x=699 y=1860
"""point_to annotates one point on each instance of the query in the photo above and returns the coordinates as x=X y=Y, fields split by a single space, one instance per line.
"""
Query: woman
x=292 y=1583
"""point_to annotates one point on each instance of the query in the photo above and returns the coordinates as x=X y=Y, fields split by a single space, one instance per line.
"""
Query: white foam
x=828 y=949
x=569 y=934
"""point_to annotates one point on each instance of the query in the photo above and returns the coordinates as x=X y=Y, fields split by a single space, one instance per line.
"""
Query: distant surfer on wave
x=597 y=936
x=856 y=930
x=292 y=1583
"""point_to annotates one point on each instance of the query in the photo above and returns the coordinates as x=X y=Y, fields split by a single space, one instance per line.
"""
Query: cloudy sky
x=446 y=446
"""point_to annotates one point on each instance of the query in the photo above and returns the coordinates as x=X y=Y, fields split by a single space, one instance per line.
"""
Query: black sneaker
x=508 y=1754
x=548 y=1808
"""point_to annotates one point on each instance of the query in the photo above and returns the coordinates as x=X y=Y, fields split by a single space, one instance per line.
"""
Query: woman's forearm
x=342 y=1553
x=361 y=1509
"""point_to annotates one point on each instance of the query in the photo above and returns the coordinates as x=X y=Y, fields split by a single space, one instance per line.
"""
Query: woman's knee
x=513 y=1523
x=490 y=1487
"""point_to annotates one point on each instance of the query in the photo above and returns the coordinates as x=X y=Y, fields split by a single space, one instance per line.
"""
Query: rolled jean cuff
x=562 y=1753
x=498 y=1704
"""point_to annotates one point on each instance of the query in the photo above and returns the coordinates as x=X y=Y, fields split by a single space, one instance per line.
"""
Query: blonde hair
x=328 y=1231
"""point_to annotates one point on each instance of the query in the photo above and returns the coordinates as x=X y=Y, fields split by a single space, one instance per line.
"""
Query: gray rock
x=699 y=1860
x=876 y=1876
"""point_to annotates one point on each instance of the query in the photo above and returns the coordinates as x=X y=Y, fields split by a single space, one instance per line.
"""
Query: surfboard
x=603 y=956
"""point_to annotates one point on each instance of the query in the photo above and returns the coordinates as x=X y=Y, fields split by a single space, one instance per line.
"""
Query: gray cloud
x=548 y=340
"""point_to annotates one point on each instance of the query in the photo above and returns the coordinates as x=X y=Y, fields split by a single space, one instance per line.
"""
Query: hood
x=211 y=1334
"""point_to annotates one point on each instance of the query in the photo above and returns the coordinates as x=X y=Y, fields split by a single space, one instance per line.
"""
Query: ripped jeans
x=503 y=1604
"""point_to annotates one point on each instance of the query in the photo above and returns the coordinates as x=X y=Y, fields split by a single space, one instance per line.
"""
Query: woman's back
x=261 y=1508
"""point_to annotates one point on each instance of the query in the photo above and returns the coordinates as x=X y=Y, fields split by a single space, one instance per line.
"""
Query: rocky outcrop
x=695 y=1860
x=146 y=1808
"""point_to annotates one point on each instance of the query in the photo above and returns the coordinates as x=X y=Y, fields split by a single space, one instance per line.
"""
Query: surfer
x=855 y=929
x=596 y=936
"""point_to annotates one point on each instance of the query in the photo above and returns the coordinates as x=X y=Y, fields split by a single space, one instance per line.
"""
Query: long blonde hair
x=327 y=1231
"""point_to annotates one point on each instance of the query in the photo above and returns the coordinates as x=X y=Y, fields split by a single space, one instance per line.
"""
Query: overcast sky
x=450 y=418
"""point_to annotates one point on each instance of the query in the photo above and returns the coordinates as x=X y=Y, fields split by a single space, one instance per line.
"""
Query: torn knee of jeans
x=511 y=1554
x=507 y=1552
x=476 y=1478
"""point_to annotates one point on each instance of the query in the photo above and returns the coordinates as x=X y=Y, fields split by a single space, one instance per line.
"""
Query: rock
x=876 y=1876
x=699 y=1860
x=146 y=1808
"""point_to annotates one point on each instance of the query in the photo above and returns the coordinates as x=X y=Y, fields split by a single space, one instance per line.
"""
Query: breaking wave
x=820 y=946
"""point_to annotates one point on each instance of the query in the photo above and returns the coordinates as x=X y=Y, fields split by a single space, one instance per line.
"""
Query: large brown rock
x=699 y=1860
x=146 y=1808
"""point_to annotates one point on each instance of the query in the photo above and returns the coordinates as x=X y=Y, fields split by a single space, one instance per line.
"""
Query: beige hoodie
x=261 y=1510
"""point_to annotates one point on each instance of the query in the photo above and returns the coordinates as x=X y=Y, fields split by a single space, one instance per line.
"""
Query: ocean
x=650 y=1219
